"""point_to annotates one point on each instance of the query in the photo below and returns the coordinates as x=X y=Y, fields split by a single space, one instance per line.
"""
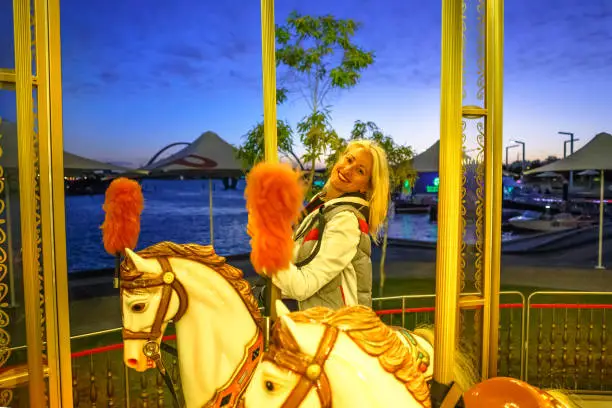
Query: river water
x=178 y=211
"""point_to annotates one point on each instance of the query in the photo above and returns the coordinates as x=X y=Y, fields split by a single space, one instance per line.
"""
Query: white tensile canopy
x=597 y=155
x=208 y=156
x=428 y=161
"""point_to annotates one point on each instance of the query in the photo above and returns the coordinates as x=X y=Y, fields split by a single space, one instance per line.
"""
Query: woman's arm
x=338 y=247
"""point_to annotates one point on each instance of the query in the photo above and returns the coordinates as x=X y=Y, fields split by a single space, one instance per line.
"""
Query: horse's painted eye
x=269 y=386
x=138 y=307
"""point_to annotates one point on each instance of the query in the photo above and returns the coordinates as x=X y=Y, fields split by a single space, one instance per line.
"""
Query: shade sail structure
x=595 y=155
x=208 y=156
x=428 y=161
x=549 y=174
x=73 y=164
x=588 y=173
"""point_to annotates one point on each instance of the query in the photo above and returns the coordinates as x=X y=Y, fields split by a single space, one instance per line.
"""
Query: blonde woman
x=332 y=265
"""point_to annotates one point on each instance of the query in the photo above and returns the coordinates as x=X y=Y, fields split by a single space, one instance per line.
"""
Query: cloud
x=109 y=77
x=571 y=38
x=186 y=51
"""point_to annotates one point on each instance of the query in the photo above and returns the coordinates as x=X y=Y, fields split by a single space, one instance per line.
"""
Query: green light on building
x=433 y=188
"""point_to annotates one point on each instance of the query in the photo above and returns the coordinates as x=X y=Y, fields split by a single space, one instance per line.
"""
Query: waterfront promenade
x=95 y=304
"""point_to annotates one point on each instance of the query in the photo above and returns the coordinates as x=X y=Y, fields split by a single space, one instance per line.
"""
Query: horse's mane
x=373 y=337
x=205 y=255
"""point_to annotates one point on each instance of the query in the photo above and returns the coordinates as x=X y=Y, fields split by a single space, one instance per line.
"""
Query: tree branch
x=297 y=159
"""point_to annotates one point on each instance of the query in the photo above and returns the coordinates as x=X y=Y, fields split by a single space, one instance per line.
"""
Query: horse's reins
x=310 y=369
x=167 y=280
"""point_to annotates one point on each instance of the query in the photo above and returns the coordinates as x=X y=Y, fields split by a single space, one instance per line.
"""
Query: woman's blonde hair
x=378 y=193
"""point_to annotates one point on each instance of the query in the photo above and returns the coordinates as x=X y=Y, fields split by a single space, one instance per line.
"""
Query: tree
x=516 y=167
x=320 y=57
x=550 y=159
x=252 y=151
x=399 y=158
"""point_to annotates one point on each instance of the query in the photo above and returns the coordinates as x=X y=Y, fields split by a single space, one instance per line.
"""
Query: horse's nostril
x=132 y=362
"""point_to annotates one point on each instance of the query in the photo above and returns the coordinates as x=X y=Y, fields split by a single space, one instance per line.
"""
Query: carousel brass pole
x=210 y=212
x=448 y=255
x=601 y=222
x=52 y=208
x=494 y=63
x=27 y=194
x=268 y=55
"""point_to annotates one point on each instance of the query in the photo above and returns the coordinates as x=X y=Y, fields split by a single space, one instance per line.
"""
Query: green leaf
x=252 y=150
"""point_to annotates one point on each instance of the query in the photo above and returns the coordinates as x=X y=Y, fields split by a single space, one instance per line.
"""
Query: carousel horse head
x=345 y=358
x=151 y=296
x=169 y=281
x=502 y=392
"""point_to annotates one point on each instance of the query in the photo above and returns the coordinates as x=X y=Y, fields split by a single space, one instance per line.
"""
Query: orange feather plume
x=274 y=194
x=123 y=205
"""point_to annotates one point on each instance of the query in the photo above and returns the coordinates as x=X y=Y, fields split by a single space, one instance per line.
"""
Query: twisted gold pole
x=450 y=190
x=52 y=208
x=27 y=186
x=494 y=68
x=268 y=57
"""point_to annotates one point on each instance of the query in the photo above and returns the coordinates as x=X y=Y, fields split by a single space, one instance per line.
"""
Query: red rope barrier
x=570 y=306
x=110 y=347
x=119 y=346
x=431 y=309
x=406 y=310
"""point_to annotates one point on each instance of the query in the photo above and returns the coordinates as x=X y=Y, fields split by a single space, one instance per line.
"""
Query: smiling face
x=353 y=171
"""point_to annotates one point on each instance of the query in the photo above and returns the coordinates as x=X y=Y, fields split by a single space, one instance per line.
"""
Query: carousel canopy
x=73 y=164
x=595 y=155
x=207 y=156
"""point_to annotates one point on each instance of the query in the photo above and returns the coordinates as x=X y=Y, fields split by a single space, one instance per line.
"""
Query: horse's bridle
x=169 y=283
x=310 y=369
x=167 y=280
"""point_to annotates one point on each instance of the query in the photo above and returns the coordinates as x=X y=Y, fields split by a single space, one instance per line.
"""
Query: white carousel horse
x=346 y=358
x=349 y=358
x=219 y=339
x=215 y=314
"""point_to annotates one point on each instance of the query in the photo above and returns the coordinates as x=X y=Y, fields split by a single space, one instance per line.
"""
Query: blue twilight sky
x=141 y=74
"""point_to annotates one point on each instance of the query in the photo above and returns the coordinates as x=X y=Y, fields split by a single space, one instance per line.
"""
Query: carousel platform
x=596 y=401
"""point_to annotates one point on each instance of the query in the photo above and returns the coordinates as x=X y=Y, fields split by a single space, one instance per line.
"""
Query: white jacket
x=338 y=248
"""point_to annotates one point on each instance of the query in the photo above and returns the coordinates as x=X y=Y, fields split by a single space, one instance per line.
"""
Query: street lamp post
x=523 y=162
x=565 y=146
x=572 y=140
x=508 y=148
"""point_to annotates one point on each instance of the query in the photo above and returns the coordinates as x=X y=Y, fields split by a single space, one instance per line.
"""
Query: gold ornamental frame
x=36 y=79
x=450 y=260
x=39 y=113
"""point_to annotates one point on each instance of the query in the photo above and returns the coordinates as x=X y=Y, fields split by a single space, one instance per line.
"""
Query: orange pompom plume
x=274 y=196
x=123 y=205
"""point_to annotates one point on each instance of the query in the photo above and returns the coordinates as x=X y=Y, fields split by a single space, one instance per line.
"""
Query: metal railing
x=567 y=330
x=569 y=333
x=551 y=339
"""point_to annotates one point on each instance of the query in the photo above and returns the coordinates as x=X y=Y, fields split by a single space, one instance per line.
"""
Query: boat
x=535 y=221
